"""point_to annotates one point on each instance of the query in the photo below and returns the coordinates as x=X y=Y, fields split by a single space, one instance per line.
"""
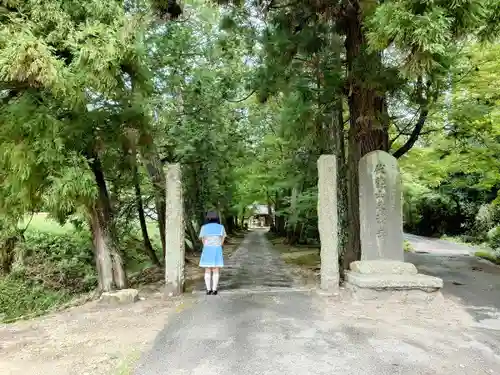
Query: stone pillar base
x=393 y=296
x=381 y=279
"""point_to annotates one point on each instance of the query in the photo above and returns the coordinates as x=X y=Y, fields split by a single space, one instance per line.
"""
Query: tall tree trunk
x=191 y=214
x=342 y=191
x=242 y=218
x=192 y=234
x=153 y=165
x=103 y=234
x=230 y=224
x=101 y=240
x=293 y=233
x=271 y=213
x=7 y=253
x=280 y=218
x=368 y=129
x=142 y=217
x=157 y=177
x=338 y=139
x=201 y=193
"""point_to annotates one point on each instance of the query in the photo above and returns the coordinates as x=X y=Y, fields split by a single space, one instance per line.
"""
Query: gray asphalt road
x=293 y=333
x=300 y=333
x=253 y=265
x=473 y=281
x=438 y=246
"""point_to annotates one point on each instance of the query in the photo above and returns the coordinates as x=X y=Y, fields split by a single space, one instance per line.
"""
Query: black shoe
x=209 y=292
x=214 y=293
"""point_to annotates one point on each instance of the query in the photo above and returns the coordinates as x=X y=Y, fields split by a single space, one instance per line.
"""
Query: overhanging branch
x=417 y=130
x=243 y=99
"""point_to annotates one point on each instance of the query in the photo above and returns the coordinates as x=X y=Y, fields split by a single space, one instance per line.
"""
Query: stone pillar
x=328 y=222
x=174 y=232
x=380 y=207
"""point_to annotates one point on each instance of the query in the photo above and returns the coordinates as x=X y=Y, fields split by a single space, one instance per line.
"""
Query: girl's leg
x=208 y=279
x=215 y=279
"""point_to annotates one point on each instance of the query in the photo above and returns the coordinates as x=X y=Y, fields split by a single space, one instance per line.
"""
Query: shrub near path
x=57 y=268
x=54 y=265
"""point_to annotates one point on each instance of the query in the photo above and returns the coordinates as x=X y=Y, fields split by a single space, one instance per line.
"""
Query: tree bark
x=271 y=213
x=342 y=185
x=242 y=218
x=157 y=176
x=104 y=239
x=368 y=129
x=7 y=254
x=414 y=134
x=192 y=234
x=142 y=217
x=230 y=224
x=291 y=228
x=100 y=240
x=280 y=218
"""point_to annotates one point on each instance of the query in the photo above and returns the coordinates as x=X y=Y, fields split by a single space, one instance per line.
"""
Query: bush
x=492 y=257
x=50 y=269
x=19 y=298
x=57 y=261
x=493 y=237
x=431 y=215
x=407 y=247
x=54 y=264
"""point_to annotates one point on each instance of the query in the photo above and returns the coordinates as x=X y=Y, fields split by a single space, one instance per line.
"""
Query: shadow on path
x=254 y=265
x=301 y=333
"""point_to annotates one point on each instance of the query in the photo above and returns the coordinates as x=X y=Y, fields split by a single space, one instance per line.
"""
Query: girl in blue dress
x=212 y=234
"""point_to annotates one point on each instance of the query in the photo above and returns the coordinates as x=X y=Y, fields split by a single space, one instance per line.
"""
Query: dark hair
x=212 y=217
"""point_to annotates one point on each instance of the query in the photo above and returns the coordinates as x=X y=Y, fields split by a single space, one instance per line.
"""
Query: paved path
x=473 y=281
x=301 y=333
x=254 y=265
x=437 y=246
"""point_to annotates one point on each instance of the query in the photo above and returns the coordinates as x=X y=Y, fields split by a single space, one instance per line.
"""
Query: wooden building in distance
x=260 y=216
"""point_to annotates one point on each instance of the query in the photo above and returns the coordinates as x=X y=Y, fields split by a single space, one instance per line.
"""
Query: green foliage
x=96 y=97
x=488 y=256
x=57 y=261
x=311 y=259
x=302 y=83
x=105 y=91
x=52 y=265
x=23 y=297
x=407 y=247
x=452 y=180
x=493 y=236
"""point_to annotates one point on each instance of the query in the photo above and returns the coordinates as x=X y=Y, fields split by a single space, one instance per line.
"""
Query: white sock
x=215 y=280
x=207 y=279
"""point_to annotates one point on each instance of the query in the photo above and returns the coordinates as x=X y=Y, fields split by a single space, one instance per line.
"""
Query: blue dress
x=212 y=235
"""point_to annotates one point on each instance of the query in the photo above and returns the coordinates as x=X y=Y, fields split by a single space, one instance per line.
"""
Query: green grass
x=306 y=260
x=468 y=241
x=127 y=366
x=407 y=247
x=43 y=223
x=488 y=256
x=306 y=256
x=455 y=239
x=57 y=265
x=138 y=260
x=20 y=298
